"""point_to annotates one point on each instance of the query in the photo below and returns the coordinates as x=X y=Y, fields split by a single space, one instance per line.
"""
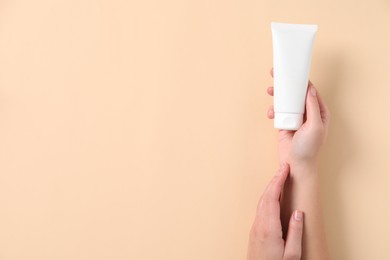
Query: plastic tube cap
x=288 y=121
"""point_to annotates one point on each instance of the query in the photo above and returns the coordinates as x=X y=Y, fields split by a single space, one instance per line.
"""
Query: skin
x=299 y=149
x=266 y=236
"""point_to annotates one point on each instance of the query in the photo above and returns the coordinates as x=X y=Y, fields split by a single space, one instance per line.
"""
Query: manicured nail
x=298 y=215
x=269 y=113
x=313 y=91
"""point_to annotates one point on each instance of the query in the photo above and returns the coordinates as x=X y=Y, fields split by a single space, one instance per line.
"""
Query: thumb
x=313 y=114
x=293 y=248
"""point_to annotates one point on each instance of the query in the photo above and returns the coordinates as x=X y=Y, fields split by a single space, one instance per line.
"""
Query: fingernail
x=298 y=215
x=269 y=112
x=313 y=91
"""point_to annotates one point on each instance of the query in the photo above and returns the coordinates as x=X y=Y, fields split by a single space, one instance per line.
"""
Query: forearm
x=302 y=191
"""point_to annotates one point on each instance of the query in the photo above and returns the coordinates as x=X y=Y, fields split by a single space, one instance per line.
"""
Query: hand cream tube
x=292 y=50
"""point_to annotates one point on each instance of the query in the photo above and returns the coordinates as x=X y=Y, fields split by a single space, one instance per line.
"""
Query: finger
x=285 y=135
x=274 y=188
x=269 y=207
x=270 y=91
x=270 y=112
x=293 y=247
x=324 y=111
x=267 y=218
x=272 y=72
x=313 y=114
x=269 y=211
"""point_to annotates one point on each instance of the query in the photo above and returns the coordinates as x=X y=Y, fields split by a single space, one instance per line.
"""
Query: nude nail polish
x=298 y=215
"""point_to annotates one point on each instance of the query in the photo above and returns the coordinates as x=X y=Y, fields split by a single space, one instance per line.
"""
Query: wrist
x=303 y=164
x=303 y=169
x=299 y=163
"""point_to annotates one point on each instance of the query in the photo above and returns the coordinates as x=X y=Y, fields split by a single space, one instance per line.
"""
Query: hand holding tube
x=302 y=146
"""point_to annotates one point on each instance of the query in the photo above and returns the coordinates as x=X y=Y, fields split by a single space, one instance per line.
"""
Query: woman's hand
x=266 y=238
x=302 y=146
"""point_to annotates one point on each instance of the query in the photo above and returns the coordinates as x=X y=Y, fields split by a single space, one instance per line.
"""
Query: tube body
x=292 y=51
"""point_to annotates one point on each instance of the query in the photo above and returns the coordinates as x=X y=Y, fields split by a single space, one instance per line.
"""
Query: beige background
x=137 y=129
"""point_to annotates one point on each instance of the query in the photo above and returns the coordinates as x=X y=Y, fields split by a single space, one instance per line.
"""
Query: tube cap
x=288 y=121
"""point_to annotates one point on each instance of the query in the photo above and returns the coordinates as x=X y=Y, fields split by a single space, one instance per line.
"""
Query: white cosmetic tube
x=292 y=50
